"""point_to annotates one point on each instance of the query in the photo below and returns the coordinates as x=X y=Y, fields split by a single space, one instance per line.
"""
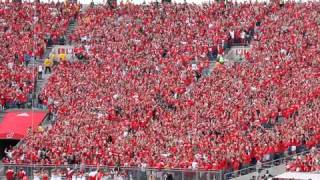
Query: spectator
x=10 y=174
x=48 y=63
x=21 y=174
x=40 y=71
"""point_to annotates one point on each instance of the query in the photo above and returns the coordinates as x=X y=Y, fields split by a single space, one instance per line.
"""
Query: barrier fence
x=132 y=173
x=129 y=173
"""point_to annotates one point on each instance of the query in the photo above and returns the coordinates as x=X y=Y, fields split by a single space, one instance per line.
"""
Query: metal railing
x=125 y=172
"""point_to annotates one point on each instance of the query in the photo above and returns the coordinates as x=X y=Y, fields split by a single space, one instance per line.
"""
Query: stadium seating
x=26 y=29
x=306 y=163
x=140 y=99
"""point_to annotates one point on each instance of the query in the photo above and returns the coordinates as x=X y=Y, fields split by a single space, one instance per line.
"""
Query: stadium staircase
x=1 y=168
x=40 y=82
x=43 y=81
x=1 y=114
x=84 y=8
x=274 y=171
x=70 y=30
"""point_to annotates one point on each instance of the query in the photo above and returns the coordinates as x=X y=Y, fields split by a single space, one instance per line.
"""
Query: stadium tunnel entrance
x=6 y=144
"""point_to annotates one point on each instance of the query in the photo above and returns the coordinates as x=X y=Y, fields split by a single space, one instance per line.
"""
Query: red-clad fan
x=21 y=174
x=10 y=174
x=93 y=175
x=306 y=163
x=70 y=173
x=45 y=175
x=100 y=175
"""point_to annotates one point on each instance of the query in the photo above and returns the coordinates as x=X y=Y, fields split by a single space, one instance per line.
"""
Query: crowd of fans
x=306 y=163
x=257 y=105
x=141 y=98
x=25 y=31
x=59 y=174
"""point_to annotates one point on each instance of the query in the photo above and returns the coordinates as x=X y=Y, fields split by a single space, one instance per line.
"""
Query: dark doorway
x=6 y=143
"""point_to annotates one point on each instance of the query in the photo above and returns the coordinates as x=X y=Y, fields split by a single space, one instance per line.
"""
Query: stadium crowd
x=141 y=98
x=306 y=163
x=25 y=30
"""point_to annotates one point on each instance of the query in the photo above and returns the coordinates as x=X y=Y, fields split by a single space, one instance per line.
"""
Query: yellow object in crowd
x=52 y=56
x=40 y=129
x=48 y=62
x=62 y=56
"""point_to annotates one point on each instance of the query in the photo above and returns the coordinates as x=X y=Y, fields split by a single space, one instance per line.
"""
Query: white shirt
x=93 y=173
x=40 y=68
x=9 y=154
x=242 y=35
x=10 y=65
x=194 y=165
x=125 y=133
x=194 y=67
x=69 y=50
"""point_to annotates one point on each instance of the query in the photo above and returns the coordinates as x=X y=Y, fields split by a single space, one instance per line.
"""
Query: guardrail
x=126 y=172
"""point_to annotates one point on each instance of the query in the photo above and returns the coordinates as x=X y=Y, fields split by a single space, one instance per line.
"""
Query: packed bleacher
x=306 y=163
x=140 y=98
x=25 y=31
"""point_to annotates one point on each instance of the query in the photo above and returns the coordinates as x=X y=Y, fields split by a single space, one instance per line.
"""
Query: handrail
x=220 y=174
x=108 y=167
x=135 y=172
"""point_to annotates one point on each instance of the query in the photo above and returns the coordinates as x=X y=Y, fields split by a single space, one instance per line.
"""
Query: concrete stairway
x=274 y=171
x=40 y=82
x=73 y=24
x=84 y=8
x=1 y=170
x=40 y=85
x=70 y=31
x=1 y=115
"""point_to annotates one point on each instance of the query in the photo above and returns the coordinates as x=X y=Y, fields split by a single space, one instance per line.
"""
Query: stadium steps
x=40 y=85
x=274 y=171
x=70 y=30
x=1 y=170
x=47 y=52
x=2 y=113
x=84 y=8
x=40 y=82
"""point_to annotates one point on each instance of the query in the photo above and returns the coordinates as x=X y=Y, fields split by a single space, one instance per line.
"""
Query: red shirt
x=10 y=174
x=99 y=176
x=92 y=177
x=21 y=174
x=45 y=177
